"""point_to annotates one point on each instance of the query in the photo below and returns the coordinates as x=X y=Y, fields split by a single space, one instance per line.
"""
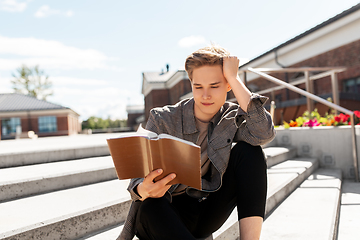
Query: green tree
x=99 y=123
x=32 y=81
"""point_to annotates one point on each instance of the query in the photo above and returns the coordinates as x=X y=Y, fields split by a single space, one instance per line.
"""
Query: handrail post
x=245 y=79
x=272 y=106
x=272 y=111
x=335 y=89
x=309 y=88
x=355 y=153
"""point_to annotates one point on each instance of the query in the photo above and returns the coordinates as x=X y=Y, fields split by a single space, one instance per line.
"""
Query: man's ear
x=228 y=87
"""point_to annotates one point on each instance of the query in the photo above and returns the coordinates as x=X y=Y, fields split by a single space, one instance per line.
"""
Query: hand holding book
x=150 y=188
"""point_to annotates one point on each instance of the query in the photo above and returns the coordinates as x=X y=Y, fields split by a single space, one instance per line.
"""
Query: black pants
x=244 y=185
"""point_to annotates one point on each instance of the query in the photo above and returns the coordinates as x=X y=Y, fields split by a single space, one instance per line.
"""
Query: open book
x=135 y=155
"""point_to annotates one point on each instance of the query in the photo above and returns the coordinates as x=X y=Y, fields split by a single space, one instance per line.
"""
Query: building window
x=352 y=85
x=47 y=124
x=9 y=125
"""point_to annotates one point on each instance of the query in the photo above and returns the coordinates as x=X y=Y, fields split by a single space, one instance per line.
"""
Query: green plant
x=314 y=119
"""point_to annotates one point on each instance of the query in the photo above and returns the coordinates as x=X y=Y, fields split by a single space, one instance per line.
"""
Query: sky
x=95 y=52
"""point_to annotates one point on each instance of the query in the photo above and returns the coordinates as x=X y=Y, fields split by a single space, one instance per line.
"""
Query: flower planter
x=331 y=145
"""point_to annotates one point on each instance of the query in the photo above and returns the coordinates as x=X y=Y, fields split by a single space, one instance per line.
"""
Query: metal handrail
x=300 y=69
x=302 y=80
x=323 y=101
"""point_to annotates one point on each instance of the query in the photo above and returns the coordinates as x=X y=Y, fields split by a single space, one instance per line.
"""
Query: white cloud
x=94 y=94
x=100 y=101
x=5 y=85
x=69 y=13
x=12 y=6
x=187 y=42
x=7 y=90
x=46 y=11
x=50 y=54
x=66 y=81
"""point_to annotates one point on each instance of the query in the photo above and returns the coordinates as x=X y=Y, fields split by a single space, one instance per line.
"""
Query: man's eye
x=214 y=86
x=198 y=87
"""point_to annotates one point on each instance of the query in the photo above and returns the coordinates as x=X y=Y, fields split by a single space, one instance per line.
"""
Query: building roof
x=11 y=102
x=133 y=109
x=158 y=76
x=317 y=27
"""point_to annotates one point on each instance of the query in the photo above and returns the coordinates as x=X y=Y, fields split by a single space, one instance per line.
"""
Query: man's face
x=209 y=88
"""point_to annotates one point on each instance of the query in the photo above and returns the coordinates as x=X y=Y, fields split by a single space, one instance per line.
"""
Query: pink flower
x=312 y=123
x=357 y=113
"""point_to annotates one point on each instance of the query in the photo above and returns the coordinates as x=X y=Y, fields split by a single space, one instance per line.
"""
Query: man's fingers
x=148 y=188
x=231 y=59
x=167 y=179
x=151 y=176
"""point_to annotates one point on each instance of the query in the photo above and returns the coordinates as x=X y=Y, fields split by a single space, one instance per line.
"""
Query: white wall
x=331 y=145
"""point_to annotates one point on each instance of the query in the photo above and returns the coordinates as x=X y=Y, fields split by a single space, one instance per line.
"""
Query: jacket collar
x=189 y=123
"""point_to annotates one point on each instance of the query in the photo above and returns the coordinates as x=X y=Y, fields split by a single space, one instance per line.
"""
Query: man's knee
x=246 y=150
x=244 y=146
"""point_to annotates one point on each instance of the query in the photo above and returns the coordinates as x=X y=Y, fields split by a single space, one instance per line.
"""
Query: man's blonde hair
x=207 y=56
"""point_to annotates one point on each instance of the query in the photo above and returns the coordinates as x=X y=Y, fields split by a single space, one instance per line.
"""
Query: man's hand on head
x=230 y=71
x=230 y=68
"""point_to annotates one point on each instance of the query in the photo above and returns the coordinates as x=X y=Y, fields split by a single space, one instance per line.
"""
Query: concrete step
x=106 y=234
x=275 y=155
x=27 y=180
x=23 y=181
x=68 y=213
x=65 y=214
x=24 y=152
x=50 y=149
x=282 y=179
x=349 y=211
x=310 y=212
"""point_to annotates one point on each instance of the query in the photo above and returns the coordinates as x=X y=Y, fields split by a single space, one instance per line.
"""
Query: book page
x=167 y=136
x=150 y=134
x=140 y=133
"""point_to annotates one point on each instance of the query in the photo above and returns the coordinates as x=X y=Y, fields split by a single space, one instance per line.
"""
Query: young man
x=230 y=176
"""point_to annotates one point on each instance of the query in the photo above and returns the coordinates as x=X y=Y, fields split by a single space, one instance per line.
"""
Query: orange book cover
x=135 y=155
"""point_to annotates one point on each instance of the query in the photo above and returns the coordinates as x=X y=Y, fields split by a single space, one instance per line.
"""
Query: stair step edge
x=75 y=225
x=15 y=190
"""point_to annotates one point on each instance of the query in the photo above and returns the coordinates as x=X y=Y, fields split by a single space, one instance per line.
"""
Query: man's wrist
x=136 y=190
x=233 y=79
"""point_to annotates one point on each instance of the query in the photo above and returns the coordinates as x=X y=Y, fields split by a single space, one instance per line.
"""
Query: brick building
x=135 y=116
x=163 y=88
x=21 y=113
x=333 y=43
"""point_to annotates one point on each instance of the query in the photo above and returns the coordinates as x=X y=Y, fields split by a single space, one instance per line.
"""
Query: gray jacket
x=230 y=124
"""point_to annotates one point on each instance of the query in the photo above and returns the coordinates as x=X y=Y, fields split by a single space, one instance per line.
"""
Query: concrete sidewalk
x=350 y=211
